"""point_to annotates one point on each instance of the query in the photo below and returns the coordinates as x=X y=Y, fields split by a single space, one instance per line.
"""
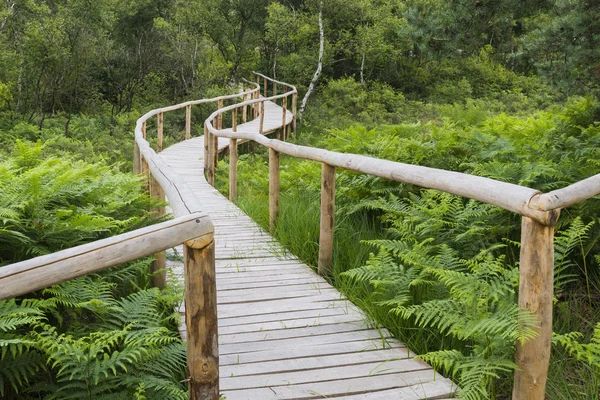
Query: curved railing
x=540 y=212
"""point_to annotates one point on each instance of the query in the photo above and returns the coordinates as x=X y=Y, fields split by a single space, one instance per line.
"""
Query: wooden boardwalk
x=284 y=332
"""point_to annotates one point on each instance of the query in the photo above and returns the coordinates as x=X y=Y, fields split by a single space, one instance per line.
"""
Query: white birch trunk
x=315 y=78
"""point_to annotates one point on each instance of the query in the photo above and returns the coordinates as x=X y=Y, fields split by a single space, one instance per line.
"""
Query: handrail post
x=273 y=188
x=159 y=265
x=262 y=117
x=215 y=139
x=210 y=175
x=536 y=295
x=283 y=125
x=137 y=166
x=188 y=122
x=327 y=219
x=294 y=101
x=265 y=85
x=233 y=159
x=244 y=108
x=144 y=169
x=201 y=318
x=146 y=173
x=255 y=106
x=274 y=88
x=206 y=148
x=159 y=132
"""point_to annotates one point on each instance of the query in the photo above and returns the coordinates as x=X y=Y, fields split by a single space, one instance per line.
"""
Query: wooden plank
x=427 y=390
x=246 y=347
x=292 y=324
x=334 y=388
x=306 y=332
x=310 y=363
x=284 y=316
x=231 y=297
x=357 y=347
x=324 y=374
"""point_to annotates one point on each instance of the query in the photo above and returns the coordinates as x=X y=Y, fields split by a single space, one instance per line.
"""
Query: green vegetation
x=108 y=334
x=499 y=88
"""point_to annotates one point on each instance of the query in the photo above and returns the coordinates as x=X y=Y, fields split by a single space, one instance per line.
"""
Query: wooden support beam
x=536 y=293
x=327 y=219
x=273 y=188
x=274 y=89
x=294 y=101
x=210 y=165
x=144 y=129
x=215 y=139
x=159 y=265
x=245 y=109
x=159 y=132
x=234 y=120
x=264 y=87
x=146 y=174
x=206 y=149
x=137 y=163
x=233 y=159
x=201 y=321
x=262 y=117
x=188 y=122
x=283 y=125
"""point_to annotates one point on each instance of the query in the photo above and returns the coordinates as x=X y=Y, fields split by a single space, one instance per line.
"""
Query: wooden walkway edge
x=284 y=332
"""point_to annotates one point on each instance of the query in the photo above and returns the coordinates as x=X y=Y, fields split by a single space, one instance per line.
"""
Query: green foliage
x=107 y=334
x=48 y=204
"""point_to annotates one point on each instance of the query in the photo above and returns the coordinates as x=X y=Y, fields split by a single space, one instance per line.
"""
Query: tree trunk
x=362 y=71
x=315 y=78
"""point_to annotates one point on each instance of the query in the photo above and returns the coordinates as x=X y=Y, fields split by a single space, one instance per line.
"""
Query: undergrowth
x=107 y=335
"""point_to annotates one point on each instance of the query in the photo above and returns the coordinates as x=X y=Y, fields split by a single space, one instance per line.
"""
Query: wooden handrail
x=47 y=270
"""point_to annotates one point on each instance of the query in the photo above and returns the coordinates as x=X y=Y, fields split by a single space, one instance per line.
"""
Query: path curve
x=284 y=332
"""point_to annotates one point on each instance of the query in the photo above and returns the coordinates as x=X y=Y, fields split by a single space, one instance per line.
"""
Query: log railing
x=539 y=213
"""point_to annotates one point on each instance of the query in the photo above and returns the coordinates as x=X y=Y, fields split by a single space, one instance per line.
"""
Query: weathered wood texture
x=273 y=188
x=327 y=219
x=188 y=122
x=159 y=132
x=233 y=160
x=40 y=272
x=284 y=332
x=536 y=295
x=158 y=267
x=201 y=321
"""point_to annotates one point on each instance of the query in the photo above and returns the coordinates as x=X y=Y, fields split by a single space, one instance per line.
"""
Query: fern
x=588 y=352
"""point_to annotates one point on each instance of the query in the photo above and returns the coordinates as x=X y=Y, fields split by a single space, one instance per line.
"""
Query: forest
x=503 y=89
